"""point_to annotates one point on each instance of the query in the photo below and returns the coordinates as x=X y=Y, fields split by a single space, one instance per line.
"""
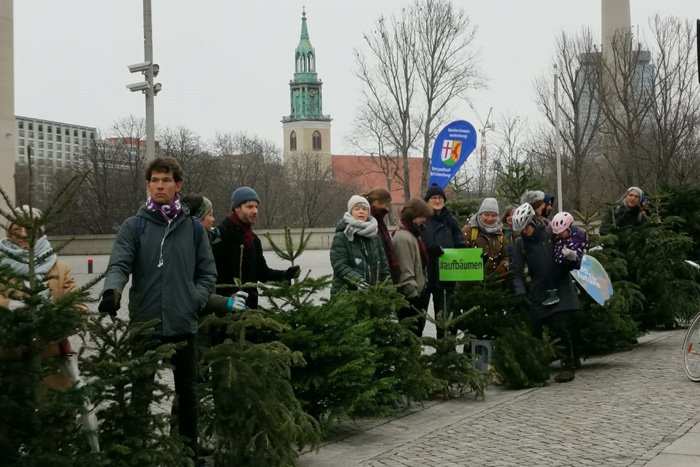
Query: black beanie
x=434 y=190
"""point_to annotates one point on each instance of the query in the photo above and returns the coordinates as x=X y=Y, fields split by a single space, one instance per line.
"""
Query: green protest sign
x=462 y=264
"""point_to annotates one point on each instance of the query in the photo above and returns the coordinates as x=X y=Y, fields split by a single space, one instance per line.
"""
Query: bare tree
x=447 y=65
x=578 y=65
x=389 y=85
x=187 y=147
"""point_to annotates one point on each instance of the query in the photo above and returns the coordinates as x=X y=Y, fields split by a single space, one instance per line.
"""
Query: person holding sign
x=413 y=261
x=485 y=231
x=535 y=248
x=441 y=231
x=357 y=256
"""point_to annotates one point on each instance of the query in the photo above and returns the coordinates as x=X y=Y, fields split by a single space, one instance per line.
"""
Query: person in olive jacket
x=172 y=276
x=357 y=255
x=441 y=231
x=237 y=238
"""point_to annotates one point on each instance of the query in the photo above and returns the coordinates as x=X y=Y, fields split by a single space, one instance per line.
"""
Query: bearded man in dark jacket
x=238 y=241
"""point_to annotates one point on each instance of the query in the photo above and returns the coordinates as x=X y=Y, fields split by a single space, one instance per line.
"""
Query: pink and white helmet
x=561 y=222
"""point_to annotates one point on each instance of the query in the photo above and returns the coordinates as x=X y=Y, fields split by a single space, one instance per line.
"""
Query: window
x=49 y=137
x=41 y=135
x=59 y=156
x=31 y=126
x=41 y=154
x=49 y=145
x=58 y=146
x=21 y=124
x=58 y=138
x=41 y=127
x=31 y=134
x=92 y=135
x=49 y=153
x=67 y=132
x=75 y=133
x=68 y=139
x=293 y=141
x=41 y=144
x=21 y=150
x=84 y=134
x=316 y=141
x=49 y=129
x=21 y=142
x=21 y=132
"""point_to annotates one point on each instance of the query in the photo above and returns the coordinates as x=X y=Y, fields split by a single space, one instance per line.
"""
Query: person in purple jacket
x=569 y=246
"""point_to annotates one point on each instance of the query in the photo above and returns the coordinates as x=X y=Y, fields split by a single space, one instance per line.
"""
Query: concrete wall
x=7 y=103
x=102 y=244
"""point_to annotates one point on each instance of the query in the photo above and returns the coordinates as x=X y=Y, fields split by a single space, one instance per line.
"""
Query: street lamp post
x=148 y=88
x=557 y=145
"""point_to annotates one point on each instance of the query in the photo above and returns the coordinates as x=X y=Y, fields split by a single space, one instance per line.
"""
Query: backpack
x=141 y=226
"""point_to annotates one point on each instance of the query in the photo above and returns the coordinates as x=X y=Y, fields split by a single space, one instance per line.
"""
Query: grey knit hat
x=489 y=205
x=355 y=200
x=534 y=197
x=243 y=195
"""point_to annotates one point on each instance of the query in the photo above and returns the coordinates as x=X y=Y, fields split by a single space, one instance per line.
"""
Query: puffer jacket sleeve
x=340 y=261
x=121 y=259
x=519 y=268
x=381 y=259
x=205 y=271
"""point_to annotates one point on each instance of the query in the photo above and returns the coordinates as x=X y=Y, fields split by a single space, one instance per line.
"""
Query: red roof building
x=366 y=172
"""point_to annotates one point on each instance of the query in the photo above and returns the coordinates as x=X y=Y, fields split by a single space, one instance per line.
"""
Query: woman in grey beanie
x=484 y=230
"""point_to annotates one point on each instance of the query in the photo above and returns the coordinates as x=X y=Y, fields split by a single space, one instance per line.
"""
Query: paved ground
x=629 y=409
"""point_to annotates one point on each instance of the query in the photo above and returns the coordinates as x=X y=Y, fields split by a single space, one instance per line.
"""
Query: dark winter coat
x=355 y=262
x=227 y=253
x=173 y=293
x=623 y=216
x=537 y=252
x=441 y=229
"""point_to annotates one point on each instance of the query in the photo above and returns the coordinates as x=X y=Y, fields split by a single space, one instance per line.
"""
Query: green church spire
x=305 y=89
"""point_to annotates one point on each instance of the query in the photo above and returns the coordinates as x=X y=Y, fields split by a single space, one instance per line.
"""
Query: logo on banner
x=452 y=147
x=450 y=152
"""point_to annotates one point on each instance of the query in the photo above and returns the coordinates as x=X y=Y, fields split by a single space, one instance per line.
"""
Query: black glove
x=110 y=302
x=292 y=273
x=435 y=250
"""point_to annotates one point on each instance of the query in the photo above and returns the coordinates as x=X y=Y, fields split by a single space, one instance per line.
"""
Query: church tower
x=307 y=132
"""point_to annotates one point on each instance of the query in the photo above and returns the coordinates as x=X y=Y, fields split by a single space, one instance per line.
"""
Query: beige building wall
x=304 y=134
x=7 y=103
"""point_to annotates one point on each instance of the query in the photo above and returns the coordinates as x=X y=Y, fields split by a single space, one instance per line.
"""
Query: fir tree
x=517 y=179
x=522 y=359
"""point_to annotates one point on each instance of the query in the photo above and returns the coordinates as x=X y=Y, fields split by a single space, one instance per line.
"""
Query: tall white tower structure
x=616 y=19
x=8 y=137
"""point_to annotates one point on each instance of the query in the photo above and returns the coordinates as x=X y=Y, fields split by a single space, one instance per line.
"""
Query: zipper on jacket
x=167 y=229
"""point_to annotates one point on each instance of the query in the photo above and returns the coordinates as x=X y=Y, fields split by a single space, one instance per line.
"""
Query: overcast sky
x=226 y=64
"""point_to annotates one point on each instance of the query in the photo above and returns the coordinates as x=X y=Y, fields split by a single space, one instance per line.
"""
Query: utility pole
x=557 y=145
x=148 y=88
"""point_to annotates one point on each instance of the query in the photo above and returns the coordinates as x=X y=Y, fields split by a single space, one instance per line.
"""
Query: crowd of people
x=182 y=266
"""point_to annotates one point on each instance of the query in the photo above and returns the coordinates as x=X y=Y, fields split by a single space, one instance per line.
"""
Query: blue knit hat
x=243 y=195
x=434 y=190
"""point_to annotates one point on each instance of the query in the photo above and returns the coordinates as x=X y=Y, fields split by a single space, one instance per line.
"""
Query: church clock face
x=296 y=93
x=312 y=92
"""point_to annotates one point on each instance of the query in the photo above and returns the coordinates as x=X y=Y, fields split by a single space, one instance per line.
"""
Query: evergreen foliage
x=516 y=180
x=493 y=308
x=134 y=428
x=454 y=370
x=258 y=421
x=463 y=208
x=522 y=359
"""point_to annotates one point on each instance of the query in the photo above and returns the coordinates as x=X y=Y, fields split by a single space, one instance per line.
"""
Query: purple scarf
x=169 y=211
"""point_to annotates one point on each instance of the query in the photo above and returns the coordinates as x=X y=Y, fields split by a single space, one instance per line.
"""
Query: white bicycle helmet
x=561 y=222
x=522 y=216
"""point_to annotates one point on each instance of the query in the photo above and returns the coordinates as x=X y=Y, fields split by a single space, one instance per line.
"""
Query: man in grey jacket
x=173 y=273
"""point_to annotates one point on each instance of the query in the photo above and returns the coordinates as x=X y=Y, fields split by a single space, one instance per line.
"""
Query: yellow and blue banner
x=452 y=147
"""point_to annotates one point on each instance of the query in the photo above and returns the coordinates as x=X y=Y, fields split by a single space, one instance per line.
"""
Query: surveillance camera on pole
x=142 y=86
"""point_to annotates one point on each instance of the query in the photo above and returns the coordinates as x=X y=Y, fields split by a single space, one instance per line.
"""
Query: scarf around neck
x=385 y=237
x=353 y=226
x=245 y=228
x=17 y=258
x=413 y=228
x=169 y=211
x=496 y=228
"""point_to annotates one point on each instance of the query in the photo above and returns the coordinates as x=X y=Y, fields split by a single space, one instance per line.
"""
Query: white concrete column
x=8 y=136
x=615 y=19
